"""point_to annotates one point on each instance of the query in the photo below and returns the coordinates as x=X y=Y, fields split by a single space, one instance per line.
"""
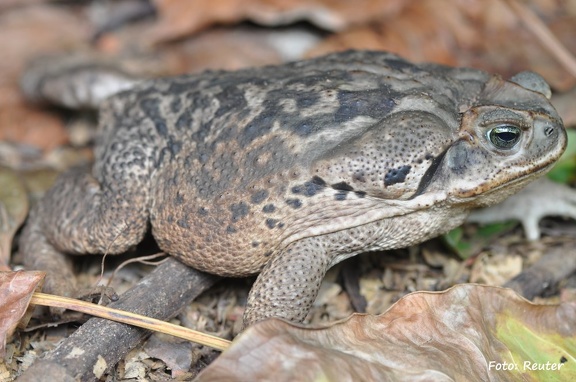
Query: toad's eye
x=504 y=137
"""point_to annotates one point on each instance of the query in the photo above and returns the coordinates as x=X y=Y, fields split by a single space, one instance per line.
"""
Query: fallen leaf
x=178 y=18
x=27 y=32
x=467 y=333
x=28 y=125
x=495 y=269
x=34 y=30
x=175 y=353
x=16 y=289
x=485 y=34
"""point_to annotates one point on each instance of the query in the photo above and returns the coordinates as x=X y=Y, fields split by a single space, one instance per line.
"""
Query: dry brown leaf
x=485 y=34
x=24 y=124
x=35 y=30
x=16 y=289
x=175 y=353
x=467 y=333
x=226 y=49
x=26 y=33
x=414 y=34
x=181 y=17
x=13 y=211
x=495 y=269
x=7 y=4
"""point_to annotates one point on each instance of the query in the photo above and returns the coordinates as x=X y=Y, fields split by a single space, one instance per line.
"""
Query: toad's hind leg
x=79 y=215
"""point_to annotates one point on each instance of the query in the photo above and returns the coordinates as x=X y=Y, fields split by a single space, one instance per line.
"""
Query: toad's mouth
x=512 y=181
x=513 y=184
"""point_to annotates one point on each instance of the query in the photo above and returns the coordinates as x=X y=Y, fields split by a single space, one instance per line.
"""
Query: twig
x=545 y=274
x=130 y=319
x=161 y=295
x=544 y=35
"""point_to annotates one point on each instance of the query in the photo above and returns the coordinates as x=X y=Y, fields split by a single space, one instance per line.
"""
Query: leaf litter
x=229 y=34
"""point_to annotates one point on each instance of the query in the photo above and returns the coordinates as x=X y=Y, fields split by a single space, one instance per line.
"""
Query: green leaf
x=565 y=170
x=465 y=247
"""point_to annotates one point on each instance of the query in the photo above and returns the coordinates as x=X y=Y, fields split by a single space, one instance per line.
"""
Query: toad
x=287 y=170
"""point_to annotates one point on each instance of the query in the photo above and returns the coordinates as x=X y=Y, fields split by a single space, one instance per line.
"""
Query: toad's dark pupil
x=507 y=136
x=504 y=136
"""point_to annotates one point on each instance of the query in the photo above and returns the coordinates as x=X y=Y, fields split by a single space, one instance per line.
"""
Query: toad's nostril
x=548 y=131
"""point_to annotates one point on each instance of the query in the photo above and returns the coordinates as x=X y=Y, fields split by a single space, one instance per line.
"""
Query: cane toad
x=287 y=170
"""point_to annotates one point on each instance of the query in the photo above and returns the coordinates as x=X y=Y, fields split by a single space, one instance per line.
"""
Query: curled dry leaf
x=486 y=34
x=181 y=17
x=467 y=333
x=13 y=211
x=16 y=289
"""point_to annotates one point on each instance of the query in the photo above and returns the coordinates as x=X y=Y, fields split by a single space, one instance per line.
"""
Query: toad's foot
x=539 y=199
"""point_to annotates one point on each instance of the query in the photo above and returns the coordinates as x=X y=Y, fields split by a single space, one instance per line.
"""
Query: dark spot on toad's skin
x=202 y=133
x=268 y=254
x=179 y=199
x=308 y=99
x=259 y=126
x=259 y=196
x=309 y=188
x=376 y=103
x=305 y=128
x=183 y=223
x=318 y=181
x=231 y=98
x=342 y=186
x=396 y=175
x=271 y=223
x=230 y=229
x=360 y=194
x=255 y=244
x=268 y=208
x=341 y=195
x=312 y=188
x=184 y=121
x=239 y=210
x=294 y=203
x=176 y=105
x=151 y=107
x=297 y=189
x=280 y=225
x=174 y=147
x=202 y=211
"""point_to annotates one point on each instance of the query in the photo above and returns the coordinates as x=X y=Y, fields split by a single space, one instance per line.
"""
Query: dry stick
x=544 y=35
x=161 y=294
x=545 y=274
x=130 y=318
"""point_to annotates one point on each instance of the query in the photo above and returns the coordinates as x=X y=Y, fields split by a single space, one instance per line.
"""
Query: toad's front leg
x=289 y=283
